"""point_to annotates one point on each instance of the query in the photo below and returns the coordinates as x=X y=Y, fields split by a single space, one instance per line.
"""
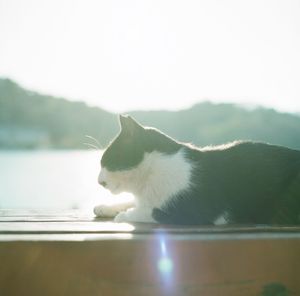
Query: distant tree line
x=32 y=120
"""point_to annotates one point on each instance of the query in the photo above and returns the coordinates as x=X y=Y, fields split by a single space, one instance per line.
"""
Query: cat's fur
x=241 y=182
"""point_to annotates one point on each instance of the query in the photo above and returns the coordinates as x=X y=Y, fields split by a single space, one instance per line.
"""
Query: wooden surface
x=72 y=253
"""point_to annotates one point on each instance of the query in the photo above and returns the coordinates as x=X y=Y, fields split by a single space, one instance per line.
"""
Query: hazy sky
x=127 y=54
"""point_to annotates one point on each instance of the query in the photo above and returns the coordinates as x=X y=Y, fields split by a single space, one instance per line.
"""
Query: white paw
x=105 y=211
x=121 y=217
x=134 y=215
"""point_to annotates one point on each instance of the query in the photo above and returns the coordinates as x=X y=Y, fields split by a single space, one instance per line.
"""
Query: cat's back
x=244 y=152
x=239 y=164
x=249 y=181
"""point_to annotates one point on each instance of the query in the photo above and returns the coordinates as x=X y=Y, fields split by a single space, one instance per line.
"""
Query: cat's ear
x=128 y=124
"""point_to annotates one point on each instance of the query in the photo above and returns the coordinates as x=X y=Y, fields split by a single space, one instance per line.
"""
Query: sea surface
x=52 y=180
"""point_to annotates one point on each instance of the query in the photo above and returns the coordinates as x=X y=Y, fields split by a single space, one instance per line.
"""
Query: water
x=51 y=180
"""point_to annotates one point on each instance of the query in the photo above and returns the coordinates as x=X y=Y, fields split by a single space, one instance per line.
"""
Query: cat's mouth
x=115 y=189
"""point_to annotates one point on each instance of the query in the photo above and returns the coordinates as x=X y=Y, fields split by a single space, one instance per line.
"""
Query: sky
x=155 y=54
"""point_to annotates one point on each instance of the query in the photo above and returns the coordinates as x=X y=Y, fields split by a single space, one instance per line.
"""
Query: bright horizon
x=129 y=55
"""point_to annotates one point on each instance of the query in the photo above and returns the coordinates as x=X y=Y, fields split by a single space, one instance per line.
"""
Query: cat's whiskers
x=91 y=146
x=98 y=144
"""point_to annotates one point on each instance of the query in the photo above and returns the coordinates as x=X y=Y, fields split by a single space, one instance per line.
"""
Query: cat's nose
x=103 y=183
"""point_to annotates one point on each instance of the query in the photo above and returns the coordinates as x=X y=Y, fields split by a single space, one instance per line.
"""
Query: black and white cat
x=176 y=183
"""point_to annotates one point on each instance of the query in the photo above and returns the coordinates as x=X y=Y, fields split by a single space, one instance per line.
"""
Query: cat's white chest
x=165 y=176
x=154 y=182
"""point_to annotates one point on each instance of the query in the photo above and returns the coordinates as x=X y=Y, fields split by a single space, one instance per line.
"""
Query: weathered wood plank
x=10 y=215
x=15 y=223
x=44 y=212
x=136 y=237
x=66 y=227
x=54 y=227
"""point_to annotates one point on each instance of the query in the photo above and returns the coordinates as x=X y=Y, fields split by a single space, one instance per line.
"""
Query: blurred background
x=205 y=72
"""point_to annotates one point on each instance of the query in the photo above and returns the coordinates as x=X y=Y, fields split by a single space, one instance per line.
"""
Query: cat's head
x=126 y=152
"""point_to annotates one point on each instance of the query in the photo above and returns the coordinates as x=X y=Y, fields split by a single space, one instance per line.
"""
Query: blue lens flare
x=163 y=246
x=165 y=264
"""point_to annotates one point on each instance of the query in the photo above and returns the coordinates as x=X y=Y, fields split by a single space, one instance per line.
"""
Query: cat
x=242 y=182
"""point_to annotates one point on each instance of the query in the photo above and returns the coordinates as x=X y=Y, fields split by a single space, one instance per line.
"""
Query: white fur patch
x=153 y=181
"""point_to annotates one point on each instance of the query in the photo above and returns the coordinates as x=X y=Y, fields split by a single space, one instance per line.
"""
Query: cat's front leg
x=111 y=211
x=135 y=215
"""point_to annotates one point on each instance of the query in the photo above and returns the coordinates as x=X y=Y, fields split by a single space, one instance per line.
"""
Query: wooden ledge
x=77 y=225
x=72 y=253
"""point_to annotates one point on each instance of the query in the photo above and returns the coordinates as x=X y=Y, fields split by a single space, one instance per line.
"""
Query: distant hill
x=207 y=123
x=32 y=120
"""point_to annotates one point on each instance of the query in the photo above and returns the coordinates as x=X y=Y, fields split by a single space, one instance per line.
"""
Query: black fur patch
x=253 y=183
x=127 y=150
